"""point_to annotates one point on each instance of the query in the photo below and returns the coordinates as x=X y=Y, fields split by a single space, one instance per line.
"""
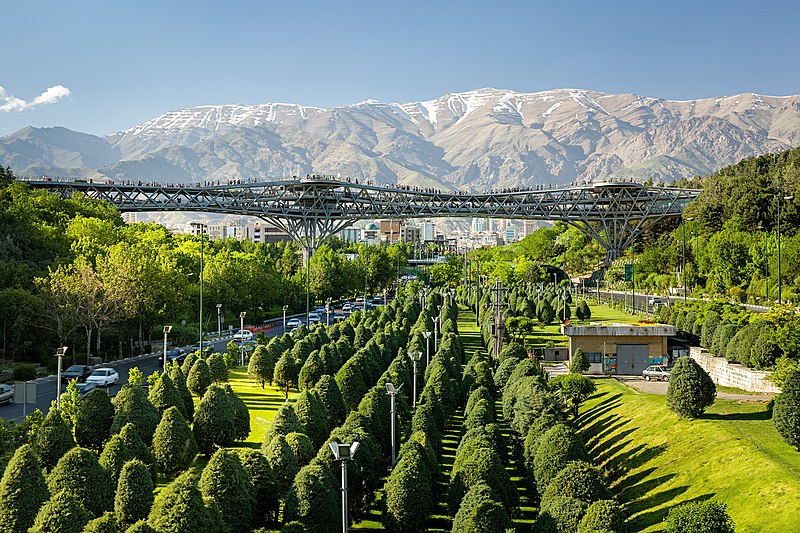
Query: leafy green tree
x=351 y=383
x=178 y=379
x=283 y=462
x=134 y=496
x=241 y=415
x=141 y=527
x=575 y=388
x=558 y=446
x=214 y=421
x=261 y=367
x=603 y=515
x=690 y=390
x=580 y=363
x=694 y=517
x=53 y=439
x=179 y=507
x=62 y=513
x=218 y=368
x=79 y=473
x=264 y=483
x=408 y=494
x=331 y=398
x=23 y=490
x=107 y=523
x=132 y=406
x=199 y=378
x=225 y=482
x=284 y=422
x=560 y=514
x=188 y=363
x=174 y=447
x=579 y=480
x=313 y=417
x=313 y=499
x=286 y=372
x=302 y=447
x=476 y=463
x=114 y=456
x=164 y=394
x=481 y=512
x=312 y=370
x=582 y=311
x=545 y=313
x=94 y=419
x=786 y=410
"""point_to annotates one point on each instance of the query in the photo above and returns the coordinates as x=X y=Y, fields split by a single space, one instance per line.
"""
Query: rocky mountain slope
x=475 y=140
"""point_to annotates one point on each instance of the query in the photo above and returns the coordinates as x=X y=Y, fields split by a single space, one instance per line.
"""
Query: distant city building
x=263 y=233
x=371 y=233
x=390 y=230
x=529 y=226
x=224 y=230
x=511 y=233
x=409 y=233
x=479 y=225
x=351 y=234
x=130 y=217
x=427 y=231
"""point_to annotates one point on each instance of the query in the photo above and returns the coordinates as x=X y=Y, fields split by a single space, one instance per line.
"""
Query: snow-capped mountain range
x=476 y=140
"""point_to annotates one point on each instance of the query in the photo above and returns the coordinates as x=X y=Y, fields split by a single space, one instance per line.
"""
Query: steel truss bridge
x=314 y=208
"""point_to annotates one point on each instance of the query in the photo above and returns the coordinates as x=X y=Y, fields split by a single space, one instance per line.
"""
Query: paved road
x=660 y=387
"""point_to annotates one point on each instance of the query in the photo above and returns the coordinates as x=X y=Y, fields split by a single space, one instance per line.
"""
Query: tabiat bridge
x=312 y=209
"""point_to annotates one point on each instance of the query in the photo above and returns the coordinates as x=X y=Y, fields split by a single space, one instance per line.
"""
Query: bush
x=475 y=464
x=561 y=515
x=710 y=325
x=699 y=517
x=79 y=473
x=174 y=447
x=262 y=477
x=558 y=446
x=63 y=513
x=580 y=363
x=214 y=421
x=579 y=480
x=141 y=527
x=225 y=482
x=603 y=516
x=284 y=422
x=351 y=383
x=94 y=420
x=217 y=367
x=331 y=398
x=132 y=406
x=179 y=508
x=164 y=394
x=312 y=416
x=575 y=388
x=786 y=410
x=283 y=462
x=409 y=493
x=290 y=527
x=313 y=500
x=24 y=373
x=179 y=380
x=480 y=512
x=312 y=370
x=199 y=378
x=582 y=311
x=533 y=399
x=134 y=496
x=53 y=439
x=23 y=490
x=690 y=389
x=481 y=415
x=503 y=372
x=123 y=447
x=261 y=366
x=102 y=524
x=302 y=448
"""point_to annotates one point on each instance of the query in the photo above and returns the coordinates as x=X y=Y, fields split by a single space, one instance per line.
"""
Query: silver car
x=657 y=372
x=6 y=393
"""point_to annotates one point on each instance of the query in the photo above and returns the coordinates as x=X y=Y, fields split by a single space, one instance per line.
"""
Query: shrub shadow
x=656 y=516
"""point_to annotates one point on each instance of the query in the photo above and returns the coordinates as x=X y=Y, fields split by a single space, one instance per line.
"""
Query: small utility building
x=620 y=348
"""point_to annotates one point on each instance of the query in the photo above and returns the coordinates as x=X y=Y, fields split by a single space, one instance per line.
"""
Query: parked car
x=657 y=372
x=84 y=389
x=243 y=335
x=103 y=377
x=6 y=393
x=655 y=300
x=293 y=323
x=174 y=354
x=79 y=372
x=347 y=307
x=314 y=318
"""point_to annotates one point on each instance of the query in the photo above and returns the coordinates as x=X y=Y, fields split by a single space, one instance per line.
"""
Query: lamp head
x=427 y=334
x=167 y=329
x=390 y=388
x=343 y=452
x=285 y=307
x=219 y=306
x=60 y=352
x=242 y=314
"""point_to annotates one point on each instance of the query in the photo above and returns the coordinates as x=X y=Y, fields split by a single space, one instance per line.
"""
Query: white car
x=6 y=393
x=347 y=308
x=103 y=377
x=314 y=318
x=293 y=323
x=243 y=335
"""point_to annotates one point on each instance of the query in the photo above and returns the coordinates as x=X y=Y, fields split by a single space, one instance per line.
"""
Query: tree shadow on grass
x=657 y=516
x=594 y=435
x=640 y=455
x=759 y=415
x=613 y=446
x=608 y=403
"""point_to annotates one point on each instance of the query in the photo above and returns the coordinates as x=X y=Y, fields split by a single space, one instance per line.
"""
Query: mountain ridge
x=480 y=139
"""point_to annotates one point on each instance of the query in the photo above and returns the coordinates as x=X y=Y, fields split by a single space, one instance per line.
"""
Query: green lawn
x=262 y=403
x=543 y=337
x=657 y=460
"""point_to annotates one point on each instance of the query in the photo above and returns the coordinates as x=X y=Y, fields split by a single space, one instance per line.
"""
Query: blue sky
x=115 y=64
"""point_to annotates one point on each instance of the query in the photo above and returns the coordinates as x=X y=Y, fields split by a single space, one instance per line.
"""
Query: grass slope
x=657 y=460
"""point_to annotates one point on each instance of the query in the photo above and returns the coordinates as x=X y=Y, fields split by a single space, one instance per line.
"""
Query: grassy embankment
x=657 y=460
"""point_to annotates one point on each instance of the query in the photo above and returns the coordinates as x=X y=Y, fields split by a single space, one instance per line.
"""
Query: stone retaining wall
x=729 y=374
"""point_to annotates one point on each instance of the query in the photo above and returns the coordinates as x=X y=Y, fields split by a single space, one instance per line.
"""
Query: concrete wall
x=729 y=374
x=656 y=346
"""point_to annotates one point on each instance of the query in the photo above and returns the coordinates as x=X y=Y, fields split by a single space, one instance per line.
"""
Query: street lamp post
x=167 y=329
x=391 y=391
x=787 y=198
x=415 y=357
x=241 y=335
x=201 y=226
x=452 y=296
x=344 y=453
x=219 y=321
x=285 y=307
x=60 y=353
x=328 y=312
x=427 y=335
x=683 y=247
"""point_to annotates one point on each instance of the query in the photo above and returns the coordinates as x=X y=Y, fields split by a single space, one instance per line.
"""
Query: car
x=173 y=355
x=347 y=307
x=86 y=388
x=243 y=335
x=319 y=309
x=293 y=323
x=314 y=318
x=79 y=372
x=103 y=377
x=657 y=372
x=655 y=300
x=6 y=393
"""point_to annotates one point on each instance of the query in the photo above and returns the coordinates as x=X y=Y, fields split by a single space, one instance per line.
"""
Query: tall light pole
x=328 y=312
x=366 y=274
x=427 y=335
x=201 y=226
x=285 y=307
x=391 y=391
x=167 y=329
x=683 y=246
x=344 y=453
x=415 y=357
x=787 y=198
x=60 y=353
x=241 y=335
x=435 y=334
x=219 y=321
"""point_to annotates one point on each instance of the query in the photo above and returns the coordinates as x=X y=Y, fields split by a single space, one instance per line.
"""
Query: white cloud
x=52 y=95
